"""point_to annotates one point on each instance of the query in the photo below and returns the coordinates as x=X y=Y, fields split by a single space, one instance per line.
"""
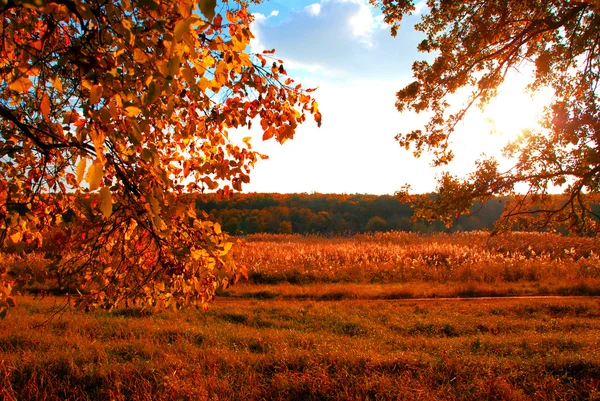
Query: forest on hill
x=331 y=214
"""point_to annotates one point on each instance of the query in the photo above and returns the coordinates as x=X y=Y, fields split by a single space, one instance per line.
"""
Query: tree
x=111 y=114
x=475 y=44
x=376 y=223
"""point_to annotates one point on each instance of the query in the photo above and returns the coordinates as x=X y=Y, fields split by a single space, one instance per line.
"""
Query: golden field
x=356 y=318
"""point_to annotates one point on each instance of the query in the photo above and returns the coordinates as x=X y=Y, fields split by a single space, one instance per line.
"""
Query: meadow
x=397 y=265
x=362 y=317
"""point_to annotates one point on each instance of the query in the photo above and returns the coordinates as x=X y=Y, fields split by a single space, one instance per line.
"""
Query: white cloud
x=362 y=23
x=420 y=7
x=312 y=68
x=313 y=9
x=342 y=37
x=255 y=43
x=379 y=22
x=259 y=18
x=341 y=47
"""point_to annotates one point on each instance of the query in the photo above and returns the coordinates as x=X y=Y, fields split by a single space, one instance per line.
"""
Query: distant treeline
x=330 y=213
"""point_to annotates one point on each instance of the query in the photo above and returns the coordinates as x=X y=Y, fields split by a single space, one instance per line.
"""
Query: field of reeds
x=357 y=318
x=407 y=265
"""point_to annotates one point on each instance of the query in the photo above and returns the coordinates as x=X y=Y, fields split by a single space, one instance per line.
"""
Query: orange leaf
x=45 y=105
x=80 y=122
x=269 y=133
x=95 y=93
x=217 y=21
x=132 y=111
x=20 y=85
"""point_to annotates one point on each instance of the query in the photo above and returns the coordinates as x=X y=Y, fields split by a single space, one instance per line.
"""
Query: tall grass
x=468 y=350
x=516 y=263
x=320 y=319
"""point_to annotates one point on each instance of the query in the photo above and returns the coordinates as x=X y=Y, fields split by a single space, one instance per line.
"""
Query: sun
x=513 y=110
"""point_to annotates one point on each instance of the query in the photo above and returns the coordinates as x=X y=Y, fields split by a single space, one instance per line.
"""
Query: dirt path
x=224 y=300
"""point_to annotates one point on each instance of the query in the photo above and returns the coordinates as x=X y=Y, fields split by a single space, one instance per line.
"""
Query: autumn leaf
x=173 y=65
x=56 y=83
x=139 y=56
x=81 y=169
x=94 y=175
x=106 y=203
x=123 y=98
x=45 y=105
x=269 y=133
x=22 y=85
x=183 y=26
x=132 y=111
x=95 y=93
x=221 y=73
x=207 y=7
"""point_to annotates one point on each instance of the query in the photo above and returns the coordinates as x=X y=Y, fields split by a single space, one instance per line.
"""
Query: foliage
x=474 y=45
x=111 y=112
x=376 y=223
x=330 y=213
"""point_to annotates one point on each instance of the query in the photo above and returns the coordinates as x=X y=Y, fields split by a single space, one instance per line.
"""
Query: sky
x=343 y=48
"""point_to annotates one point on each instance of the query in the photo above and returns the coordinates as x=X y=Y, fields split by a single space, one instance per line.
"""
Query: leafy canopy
x=475 y=44
x=111 y=114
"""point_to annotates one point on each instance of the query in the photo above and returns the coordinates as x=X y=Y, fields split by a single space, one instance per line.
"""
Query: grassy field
x=309 y=350
x=333 y=318
x=400 y=265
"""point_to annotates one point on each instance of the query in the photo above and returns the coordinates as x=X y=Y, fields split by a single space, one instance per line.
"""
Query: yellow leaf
x=30 y=70
x=182 y=27
x=106 y=202
x=95 y=93
x=97 y=139
x=173 y=65
x=132 y=111
x=20 y=85
x=71 y=117
x=45 y=105
x=16 y=237
x=81 y=169
x=221 y=73
x=159 y=224
x=94 y=175
x=188 y=75
x=154 y=206
x=217 y=228
x=196 y=254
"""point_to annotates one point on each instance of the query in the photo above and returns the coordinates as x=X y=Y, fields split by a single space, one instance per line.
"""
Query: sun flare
x=513 y=111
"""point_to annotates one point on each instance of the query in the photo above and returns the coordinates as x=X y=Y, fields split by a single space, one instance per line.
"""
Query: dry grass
x=409 y=265
x=303 y=350
x=332 y=318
